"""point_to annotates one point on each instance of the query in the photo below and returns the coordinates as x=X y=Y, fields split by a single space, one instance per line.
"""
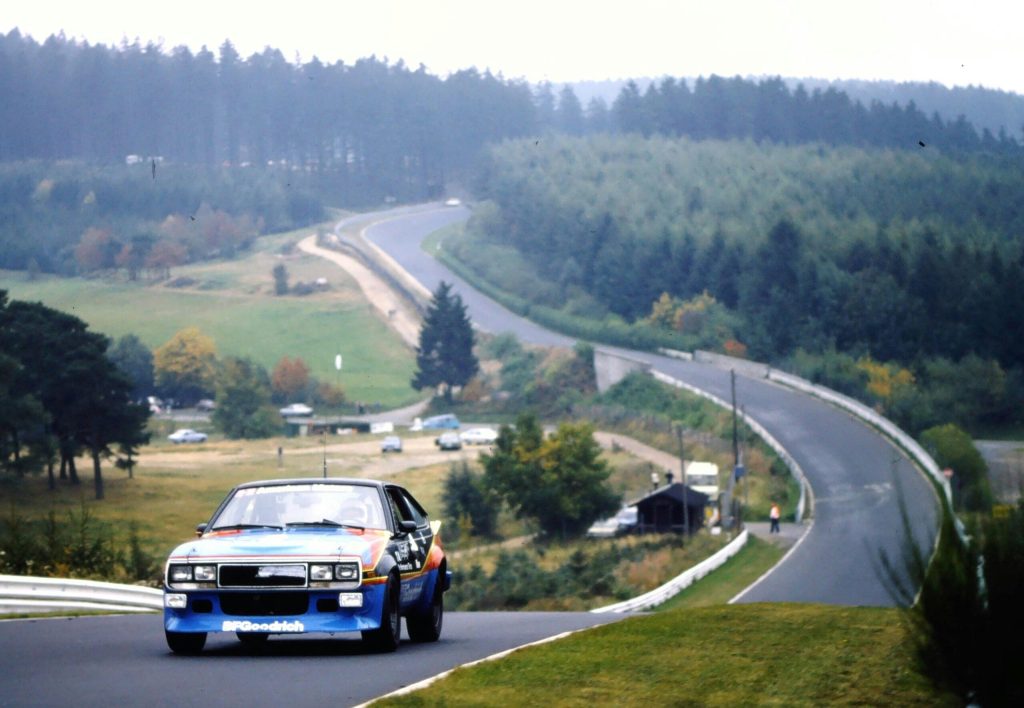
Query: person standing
x=774 y=515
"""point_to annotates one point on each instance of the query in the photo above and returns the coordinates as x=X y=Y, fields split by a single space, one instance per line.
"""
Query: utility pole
x=682 y=475
x=735 y=442
x=735 y=437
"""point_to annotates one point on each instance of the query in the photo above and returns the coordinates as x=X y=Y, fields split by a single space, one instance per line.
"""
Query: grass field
x=233 y=302
x=734 y=655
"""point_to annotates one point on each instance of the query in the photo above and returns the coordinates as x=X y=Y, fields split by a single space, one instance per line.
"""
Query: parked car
x=294 y=556
x=391 y=443
x=449 y=441
x=296 y=409
x=622 y=523
x=445 y=421
x=479 y=436
x=453 y=202
x=205 y=404
x=186 y=435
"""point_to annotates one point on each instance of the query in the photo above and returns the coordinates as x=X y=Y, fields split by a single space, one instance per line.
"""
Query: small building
x=662 y=511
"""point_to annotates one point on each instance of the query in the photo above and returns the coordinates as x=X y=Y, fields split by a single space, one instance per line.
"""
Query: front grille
x=275 y=604
x=264 y=575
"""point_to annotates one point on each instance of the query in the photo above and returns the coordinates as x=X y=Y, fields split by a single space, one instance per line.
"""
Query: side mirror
x=406 y=526
x=200 y=528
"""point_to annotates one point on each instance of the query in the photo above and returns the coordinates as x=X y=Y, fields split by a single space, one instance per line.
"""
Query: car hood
x=298 y=543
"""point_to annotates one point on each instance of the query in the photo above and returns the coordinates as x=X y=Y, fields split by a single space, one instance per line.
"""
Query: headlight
x=346 y=571
x=205 y=573
x=320 y=572
x=180 y=573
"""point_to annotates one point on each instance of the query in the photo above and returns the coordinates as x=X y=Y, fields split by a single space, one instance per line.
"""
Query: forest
x=768 y=250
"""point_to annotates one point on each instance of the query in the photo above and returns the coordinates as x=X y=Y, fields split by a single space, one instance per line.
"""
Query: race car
x=295 y=556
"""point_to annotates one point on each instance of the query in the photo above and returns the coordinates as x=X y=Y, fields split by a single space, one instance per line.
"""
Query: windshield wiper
x=326 y=522
x=243 y=527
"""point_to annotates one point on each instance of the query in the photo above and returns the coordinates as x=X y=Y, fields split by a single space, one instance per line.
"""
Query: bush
x=967 y=614
x=953 y=448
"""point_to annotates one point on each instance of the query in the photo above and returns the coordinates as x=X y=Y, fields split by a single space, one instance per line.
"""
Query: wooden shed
x=661 y=511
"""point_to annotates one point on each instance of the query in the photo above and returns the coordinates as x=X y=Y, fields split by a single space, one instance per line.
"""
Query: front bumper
x=273 y=611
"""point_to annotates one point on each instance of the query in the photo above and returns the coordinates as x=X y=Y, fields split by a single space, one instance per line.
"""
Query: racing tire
x=252 y=638
x=185 y=642
x=385 y=639
x=425 y=625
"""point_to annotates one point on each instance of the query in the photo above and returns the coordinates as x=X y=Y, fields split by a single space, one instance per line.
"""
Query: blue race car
x=294 y=556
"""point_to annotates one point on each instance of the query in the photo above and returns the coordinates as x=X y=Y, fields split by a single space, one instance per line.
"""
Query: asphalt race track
x=850 y=467
x=123 y=661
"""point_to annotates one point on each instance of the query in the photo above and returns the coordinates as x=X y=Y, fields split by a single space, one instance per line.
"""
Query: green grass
x=233 y=302
x=755 y=559
x=785 y=655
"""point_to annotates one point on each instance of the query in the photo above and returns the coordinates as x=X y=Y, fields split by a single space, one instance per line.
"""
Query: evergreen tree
x=136 y=360
x=445 y=356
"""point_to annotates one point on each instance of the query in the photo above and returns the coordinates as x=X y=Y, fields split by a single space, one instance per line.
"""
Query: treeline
x=369 y=130
x=718 y=108
x=71 y=218
x=766 y=250
x=372 y=129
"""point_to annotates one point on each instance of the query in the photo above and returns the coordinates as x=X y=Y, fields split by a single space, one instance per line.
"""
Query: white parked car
x=453 y=202
x=392 y=443
x=479 y=436
x=449 y=441
x=186 y=435
x=622 y=523
x=296 y=409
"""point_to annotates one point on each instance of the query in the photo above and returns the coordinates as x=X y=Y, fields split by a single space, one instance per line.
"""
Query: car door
x=410 y=548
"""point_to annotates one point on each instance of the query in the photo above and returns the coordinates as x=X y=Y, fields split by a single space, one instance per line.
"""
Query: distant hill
x=984 y=108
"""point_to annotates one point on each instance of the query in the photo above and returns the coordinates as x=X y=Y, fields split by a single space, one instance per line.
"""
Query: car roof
x=316 y=480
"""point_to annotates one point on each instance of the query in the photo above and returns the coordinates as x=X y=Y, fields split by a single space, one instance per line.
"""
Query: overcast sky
x=956 y=43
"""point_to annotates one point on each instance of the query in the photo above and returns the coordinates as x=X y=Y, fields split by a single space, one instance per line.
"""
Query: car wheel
x=252 y=638
x=387 y=637
x=186 y=642
x=425 y=626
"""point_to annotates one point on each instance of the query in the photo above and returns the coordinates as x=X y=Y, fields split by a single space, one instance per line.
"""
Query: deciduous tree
x=290 y=380
x=243 y=401
x=185 y=365
x=560 y=482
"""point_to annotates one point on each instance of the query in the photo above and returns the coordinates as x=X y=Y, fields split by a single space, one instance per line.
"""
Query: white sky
x=953 y=42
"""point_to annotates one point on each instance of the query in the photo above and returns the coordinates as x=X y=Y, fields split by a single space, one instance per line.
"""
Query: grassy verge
x=791 y=655
x=756 y=558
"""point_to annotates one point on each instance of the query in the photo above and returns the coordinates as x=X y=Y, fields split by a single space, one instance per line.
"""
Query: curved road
x=848 y=465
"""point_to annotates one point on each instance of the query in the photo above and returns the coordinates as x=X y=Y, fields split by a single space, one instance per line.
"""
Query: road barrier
x=680 y=582
x=26 y=594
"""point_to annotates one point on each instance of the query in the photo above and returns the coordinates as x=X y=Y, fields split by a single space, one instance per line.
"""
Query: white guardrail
x=682 y=581
x=20 y=594
x=850 y=405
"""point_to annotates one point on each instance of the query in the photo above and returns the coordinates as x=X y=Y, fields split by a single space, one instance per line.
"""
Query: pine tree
x=445 y=355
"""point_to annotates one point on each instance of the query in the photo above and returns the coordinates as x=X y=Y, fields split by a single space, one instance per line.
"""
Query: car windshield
x=302 y=504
